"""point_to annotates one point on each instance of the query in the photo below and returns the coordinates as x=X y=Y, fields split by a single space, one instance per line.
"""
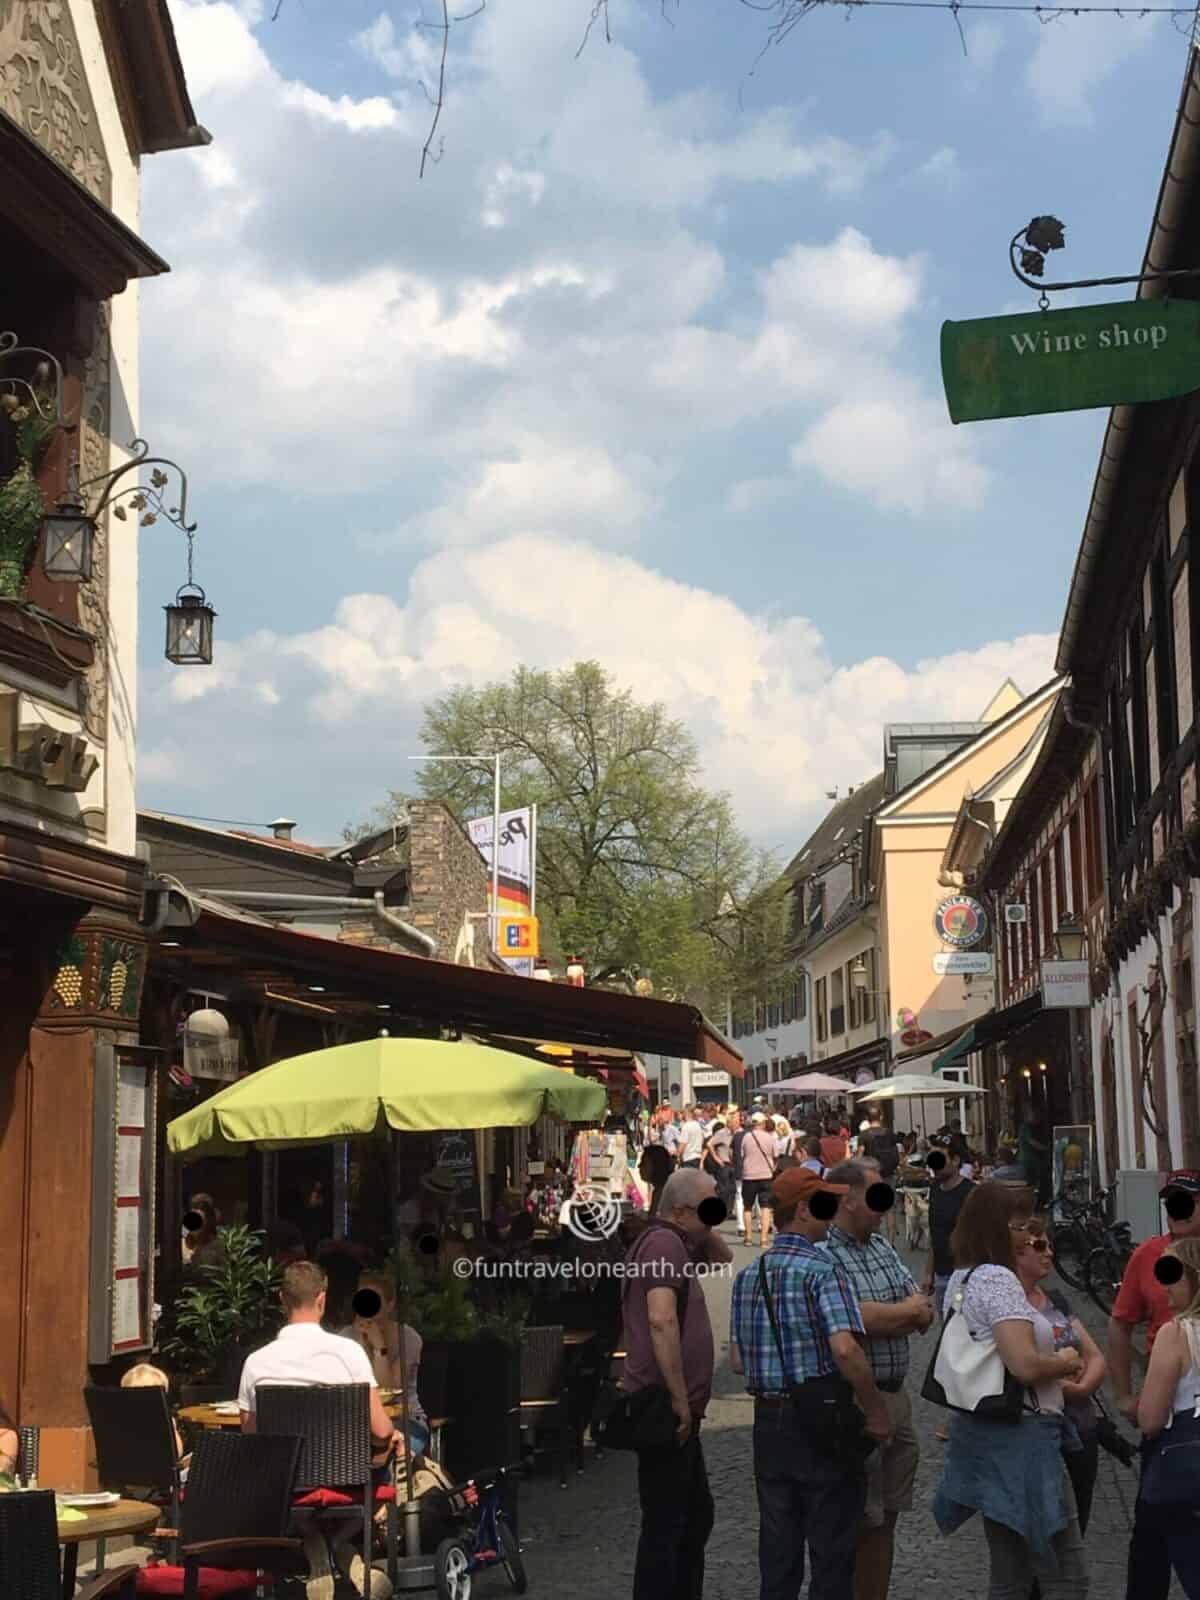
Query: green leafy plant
x=236 y=1307
x=33 y=418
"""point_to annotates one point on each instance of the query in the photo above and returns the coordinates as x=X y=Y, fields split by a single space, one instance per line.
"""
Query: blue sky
x=645 y=369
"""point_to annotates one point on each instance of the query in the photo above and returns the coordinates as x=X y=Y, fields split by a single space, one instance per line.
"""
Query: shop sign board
x=1066 y=984
x=1124 y=353
x=961 y=921
x=962 y=963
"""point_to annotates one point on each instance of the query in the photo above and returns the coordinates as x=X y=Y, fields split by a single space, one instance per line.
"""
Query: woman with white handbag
x=996 y=1370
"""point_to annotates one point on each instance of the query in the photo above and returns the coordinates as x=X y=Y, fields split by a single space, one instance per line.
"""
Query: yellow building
x=896 y=952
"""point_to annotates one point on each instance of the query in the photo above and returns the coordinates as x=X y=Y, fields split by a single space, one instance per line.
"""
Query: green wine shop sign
x=1071 y=360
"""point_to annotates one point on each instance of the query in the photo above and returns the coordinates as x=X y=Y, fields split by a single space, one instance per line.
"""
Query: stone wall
x=447 y=876
x=447 y=880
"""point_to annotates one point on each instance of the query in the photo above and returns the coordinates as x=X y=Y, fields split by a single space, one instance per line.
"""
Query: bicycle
x=1105 y=1266
x=488 y=1540
x=1082 y=1232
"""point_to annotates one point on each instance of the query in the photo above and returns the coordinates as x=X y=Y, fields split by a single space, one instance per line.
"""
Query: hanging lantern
x=190 y=628
x=67 y=536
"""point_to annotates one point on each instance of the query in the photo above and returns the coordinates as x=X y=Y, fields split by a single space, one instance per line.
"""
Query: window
x=869 y=997
x=1078 y=895
x=802 y=997
x=1176 y=514
x=853 y=997
x=1035 y=921
x=1047 y=910
x=1060 y=877
x=837 y=1003
x=1095 y=858
x=1182 y=623
x=822 y=1016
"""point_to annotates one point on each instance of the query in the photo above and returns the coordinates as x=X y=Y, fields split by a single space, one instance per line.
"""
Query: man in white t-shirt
x=691 y=1144
x=303 y=1353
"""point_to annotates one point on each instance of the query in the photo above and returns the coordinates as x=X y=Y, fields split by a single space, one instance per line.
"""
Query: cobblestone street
x=580 y=1541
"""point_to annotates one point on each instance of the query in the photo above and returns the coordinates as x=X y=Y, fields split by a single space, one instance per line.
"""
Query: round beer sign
x=960 y=921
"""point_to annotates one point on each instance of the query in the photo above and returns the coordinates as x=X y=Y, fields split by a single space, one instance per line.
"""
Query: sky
x=644 y=370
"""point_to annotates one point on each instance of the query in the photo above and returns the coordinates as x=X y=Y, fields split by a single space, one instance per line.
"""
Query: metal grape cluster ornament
x=1122 y=353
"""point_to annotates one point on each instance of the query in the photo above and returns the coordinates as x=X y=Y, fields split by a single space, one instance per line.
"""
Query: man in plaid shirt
x=808 y=1492
x=892 y=1309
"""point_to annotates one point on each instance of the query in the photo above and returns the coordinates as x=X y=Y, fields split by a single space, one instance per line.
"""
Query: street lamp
x=1070 y=938
x=68 y=533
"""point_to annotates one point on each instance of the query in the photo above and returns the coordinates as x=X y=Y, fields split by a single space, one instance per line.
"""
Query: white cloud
x=1075 y=57
x=777 y=722
x=943 y=167
x=902 y=453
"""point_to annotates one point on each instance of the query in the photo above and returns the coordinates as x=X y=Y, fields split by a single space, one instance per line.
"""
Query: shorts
x=756 y=1189
x=892 y=1472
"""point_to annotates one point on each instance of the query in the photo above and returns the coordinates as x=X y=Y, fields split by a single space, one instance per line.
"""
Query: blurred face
x=1034 y=1257
x=688 y=1217
x=1180 y=1295
x=855 y=1216
x=1183 y=1214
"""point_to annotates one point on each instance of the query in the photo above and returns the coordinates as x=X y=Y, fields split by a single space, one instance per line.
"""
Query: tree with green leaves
x=640 y=868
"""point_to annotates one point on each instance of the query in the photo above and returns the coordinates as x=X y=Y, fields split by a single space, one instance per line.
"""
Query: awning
x=956 y=1043
x=422 y=991
x=872 y=1055
x=962 y=1046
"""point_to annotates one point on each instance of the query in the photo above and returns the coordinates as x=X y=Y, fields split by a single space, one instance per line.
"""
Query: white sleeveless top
x=1187 y=1390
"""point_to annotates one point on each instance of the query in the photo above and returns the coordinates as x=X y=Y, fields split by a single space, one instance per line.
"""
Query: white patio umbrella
x=813 y=1083
x=916 y=1086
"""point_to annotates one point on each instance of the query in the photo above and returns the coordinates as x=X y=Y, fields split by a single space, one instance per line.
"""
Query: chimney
x=282 y=827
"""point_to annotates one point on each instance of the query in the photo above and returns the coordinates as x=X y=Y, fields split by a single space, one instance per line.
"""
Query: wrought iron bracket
x=1034 y=242
x=48 y=366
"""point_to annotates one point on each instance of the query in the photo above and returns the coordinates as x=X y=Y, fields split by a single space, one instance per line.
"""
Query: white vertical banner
x=516 y=867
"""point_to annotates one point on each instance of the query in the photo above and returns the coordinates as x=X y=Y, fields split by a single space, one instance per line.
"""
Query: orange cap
x=801 y=1183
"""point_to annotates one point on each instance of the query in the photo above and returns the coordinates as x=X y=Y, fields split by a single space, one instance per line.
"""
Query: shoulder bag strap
x=766 y=1294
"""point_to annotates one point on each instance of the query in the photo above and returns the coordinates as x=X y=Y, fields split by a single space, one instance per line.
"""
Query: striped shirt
x=813 y=1300
x=878 y=1275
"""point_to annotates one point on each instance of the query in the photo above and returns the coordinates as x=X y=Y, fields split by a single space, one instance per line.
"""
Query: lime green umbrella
x=411 y=1085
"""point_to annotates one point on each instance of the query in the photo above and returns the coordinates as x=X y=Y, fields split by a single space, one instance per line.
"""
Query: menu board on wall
x=122 y=1271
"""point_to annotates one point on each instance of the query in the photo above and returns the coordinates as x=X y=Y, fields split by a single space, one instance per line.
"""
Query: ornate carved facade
x=43 y=88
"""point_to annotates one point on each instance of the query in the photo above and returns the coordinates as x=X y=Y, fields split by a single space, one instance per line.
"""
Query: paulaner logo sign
x=1120 y=354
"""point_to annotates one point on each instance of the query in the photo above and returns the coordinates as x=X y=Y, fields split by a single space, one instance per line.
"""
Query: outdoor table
x=101 y=1523
x=209 y=1417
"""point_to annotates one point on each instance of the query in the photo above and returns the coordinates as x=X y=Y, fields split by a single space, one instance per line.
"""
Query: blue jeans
x=804 y=1497
x=1183 y=1543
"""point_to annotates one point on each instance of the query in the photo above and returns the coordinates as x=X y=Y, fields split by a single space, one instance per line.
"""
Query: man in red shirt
x=1142 y=1300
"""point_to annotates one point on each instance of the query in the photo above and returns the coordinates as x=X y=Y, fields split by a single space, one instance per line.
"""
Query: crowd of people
x=822 y=1330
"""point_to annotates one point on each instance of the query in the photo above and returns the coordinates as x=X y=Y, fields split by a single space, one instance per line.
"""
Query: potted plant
x=233 y=1309
x=33 y=418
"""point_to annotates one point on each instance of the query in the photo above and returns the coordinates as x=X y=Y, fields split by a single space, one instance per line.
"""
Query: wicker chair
x=135 y=1444
x=29 y=1566
x=233 y=1520
x=334 y=1477
x=543 y=1391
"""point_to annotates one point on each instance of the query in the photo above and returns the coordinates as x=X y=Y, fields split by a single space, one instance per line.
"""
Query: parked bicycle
x=1077 y=1228
x=1105 y=1266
